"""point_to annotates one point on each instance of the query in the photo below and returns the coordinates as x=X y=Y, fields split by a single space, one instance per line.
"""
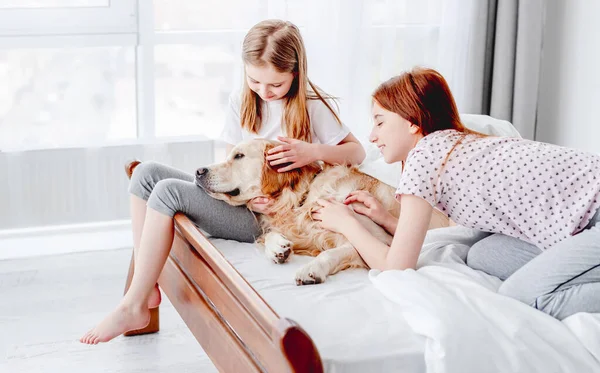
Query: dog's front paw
x=277 y=248
x=310 y=274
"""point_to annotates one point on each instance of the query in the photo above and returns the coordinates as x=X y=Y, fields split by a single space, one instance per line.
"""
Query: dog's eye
x=238 y=156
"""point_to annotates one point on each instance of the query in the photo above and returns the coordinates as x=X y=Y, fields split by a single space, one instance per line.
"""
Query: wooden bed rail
x=233 y=323
x=239 y=287
x=278 y=344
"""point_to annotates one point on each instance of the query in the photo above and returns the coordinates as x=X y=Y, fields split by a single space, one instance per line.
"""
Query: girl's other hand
x=261 y=205
x=365 y=204
x=332 y=215
x=296 y=152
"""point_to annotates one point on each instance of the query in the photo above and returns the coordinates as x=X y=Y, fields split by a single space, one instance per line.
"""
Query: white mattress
x=355 y=328
x=457 y=323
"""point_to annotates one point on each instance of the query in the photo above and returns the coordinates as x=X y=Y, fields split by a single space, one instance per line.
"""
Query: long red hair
x=421 y=96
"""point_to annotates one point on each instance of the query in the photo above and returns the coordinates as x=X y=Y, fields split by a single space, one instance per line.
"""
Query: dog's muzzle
x=201 y=175
x=201 y=172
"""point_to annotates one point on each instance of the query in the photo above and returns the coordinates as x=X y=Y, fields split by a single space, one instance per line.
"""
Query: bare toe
x=119 y=321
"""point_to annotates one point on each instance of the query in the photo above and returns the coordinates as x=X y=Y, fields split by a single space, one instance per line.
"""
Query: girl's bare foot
x=119 y=321
x=155 y=297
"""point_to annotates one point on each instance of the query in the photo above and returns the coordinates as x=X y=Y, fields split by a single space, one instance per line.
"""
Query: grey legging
x=169 y=190
x=560 y=281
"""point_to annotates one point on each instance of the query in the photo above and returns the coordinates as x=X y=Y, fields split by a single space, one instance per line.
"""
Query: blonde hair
x=279 y=44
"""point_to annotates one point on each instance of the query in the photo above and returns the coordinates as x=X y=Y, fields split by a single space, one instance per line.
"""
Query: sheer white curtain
x=355 y=45
x=175 y=81
x=461 y=52
x=170 y=74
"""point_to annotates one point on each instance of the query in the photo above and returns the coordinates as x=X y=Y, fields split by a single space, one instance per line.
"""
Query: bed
x=237 y=305
x=249 y=316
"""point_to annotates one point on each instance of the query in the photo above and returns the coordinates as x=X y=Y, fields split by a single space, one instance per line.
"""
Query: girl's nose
x=372 y=137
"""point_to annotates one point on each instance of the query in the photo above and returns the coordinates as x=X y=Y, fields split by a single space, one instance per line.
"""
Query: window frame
x=119 y=17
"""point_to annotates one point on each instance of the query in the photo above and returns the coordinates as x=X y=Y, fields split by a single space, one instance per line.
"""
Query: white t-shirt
x=324 y=127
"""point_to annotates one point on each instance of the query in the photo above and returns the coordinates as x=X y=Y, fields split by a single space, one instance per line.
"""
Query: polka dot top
x=538 y=192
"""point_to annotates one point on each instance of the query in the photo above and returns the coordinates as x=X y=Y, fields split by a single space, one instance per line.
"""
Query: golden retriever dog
x=246 y=174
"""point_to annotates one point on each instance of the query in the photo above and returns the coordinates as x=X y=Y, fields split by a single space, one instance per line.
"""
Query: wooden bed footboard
x=234 y=325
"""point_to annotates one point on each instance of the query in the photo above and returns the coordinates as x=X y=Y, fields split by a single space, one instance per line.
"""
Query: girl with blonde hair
x=277 y=101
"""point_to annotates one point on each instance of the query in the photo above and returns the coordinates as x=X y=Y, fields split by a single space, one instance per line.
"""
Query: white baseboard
x=29 y=242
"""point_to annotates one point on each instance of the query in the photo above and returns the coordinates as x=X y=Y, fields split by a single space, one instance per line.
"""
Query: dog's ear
x=273 y=182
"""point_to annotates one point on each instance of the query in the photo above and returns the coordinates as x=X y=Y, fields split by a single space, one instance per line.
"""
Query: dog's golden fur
x=246 y=175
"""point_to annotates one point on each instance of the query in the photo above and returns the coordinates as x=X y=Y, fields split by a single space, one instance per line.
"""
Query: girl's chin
x=274 y=98
x=390 y=159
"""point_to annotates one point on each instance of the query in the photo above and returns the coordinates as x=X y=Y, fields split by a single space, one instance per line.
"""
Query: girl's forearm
x=410 y=233
x=390 y=225
x=346 y=153
x=371 y=250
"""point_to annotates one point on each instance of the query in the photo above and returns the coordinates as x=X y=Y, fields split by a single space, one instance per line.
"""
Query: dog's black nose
x=201 y=172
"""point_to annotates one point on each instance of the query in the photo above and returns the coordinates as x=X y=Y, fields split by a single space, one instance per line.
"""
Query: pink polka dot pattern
x=538 y=192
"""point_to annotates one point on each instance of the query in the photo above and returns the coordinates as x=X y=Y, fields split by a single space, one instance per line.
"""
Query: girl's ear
x=414 y=129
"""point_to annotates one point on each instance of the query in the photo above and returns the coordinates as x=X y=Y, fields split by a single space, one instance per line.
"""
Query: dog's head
x=247 y=174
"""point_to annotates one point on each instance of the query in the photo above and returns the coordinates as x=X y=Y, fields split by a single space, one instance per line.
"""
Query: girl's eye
x=238 y=156
x=379 y=124
x=276 y=85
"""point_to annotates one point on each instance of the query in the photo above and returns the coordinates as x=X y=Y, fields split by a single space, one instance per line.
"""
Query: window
x=351 y=46
x=53 y=98
x=192 y=85
x=13 y=4
x=68 y=72
x=94 y=72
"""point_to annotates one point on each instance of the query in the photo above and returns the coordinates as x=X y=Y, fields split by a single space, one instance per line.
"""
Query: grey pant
x=169 y=190
x=561 y=281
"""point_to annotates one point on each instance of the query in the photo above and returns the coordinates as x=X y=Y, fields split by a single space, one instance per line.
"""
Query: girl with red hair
x=541 y=201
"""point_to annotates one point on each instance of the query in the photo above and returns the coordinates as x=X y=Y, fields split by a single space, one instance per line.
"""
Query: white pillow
x=489 y=126
x=375 y=166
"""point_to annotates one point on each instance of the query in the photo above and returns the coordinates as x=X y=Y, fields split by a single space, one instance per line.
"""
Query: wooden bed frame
x=234 y=325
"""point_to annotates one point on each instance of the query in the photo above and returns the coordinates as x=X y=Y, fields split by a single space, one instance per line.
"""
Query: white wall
x=569 y=106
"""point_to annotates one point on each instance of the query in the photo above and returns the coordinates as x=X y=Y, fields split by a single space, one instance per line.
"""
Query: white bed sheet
x=442 y=318
x=470 y=328
x=354 y=326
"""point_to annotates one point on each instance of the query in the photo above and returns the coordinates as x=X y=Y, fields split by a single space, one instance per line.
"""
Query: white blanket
x=470 y=328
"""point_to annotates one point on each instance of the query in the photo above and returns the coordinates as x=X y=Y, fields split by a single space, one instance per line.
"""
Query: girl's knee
x=474 y=256
x=144 y=179
x=479 y=256
x=145 y=170
x=166 y=197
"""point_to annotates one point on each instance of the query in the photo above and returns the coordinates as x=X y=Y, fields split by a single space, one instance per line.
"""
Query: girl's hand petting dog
x=261 y=205
x=368 y=206
x=296 y=152
x=333 y=215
